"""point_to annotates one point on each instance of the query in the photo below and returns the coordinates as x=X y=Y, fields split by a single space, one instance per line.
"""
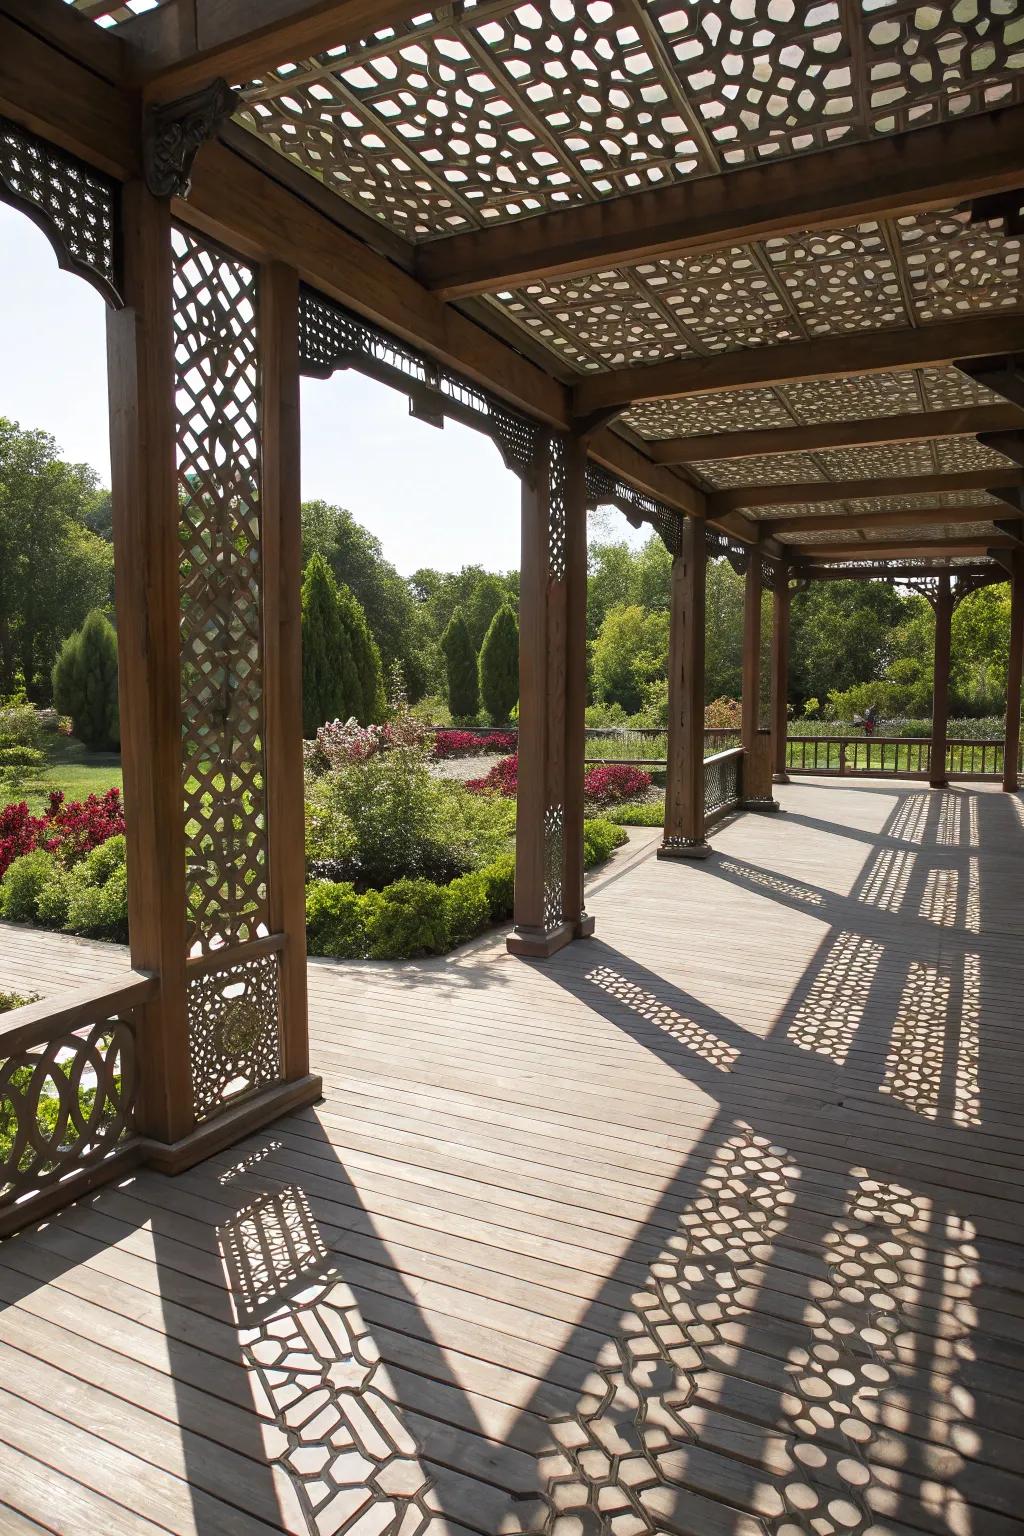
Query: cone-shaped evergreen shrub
x=499 y=666
x=341 y=673
x=461 y=665
x=85 y=682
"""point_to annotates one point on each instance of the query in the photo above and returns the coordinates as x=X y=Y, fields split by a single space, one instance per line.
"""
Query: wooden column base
x=942 y=783
x=541 y=943
x=1011 y=784
x=252 y=1114
x=584 y=927
x=763 y=807
x=781 y=778
x=677 y=849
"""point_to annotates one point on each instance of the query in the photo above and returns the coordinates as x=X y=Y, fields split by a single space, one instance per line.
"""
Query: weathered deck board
x=713 y=1224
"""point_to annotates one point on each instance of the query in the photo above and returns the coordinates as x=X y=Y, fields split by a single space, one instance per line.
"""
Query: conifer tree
x=324 y=648
x=85 y=682
x=499 y=666
x=461 y=665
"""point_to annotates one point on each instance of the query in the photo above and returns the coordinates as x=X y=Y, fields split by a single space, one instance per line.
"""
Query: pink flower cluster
x=469 y=743
x=70 y=828
x=610 y=784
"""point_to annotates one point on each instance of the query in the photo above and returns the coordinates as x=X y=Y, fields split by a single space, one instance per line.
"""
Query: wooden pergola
x=756 y=281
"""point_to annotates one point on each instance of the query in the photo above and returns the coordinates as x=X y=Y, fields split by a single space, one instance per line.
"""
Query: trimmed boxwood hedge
x=417 y=917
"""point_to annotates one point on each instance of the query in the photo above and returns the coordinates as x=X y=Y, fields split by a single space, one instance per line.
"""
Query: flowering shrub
x=76 y=827
x=341 y=742
x=70 y=828
x=469 y=744
x=503 y=779
x=613 y=783
x=607 y=785
x=722 y=715
x=19 y=833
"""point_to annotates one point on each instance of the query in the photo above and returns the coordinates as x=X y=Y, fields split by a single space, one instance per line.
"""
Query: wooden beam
x=825 y=357
x=938 y=549
x=931 y=167
x=618 y=455
x=916 y=426
x=64 y=102
x=98 y=48
x=858 y=490
x=1011 y=444
x=238 y=40
x=815 y=570
x=233 y=201
x=920 y=517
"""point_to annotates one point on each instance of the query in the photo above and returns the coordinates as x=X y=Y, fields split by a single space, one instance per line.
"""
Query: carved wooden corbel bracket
x=175 y=131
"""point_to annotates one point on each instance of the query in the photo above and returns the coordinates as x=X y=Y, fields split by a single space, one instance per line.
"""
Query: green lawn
x=70 y=766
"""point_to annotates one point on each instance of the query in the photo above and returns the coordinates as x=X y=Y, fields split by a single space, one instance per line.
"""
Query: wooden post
x=684 y=835
x=574 y=907
x=146 y=555
x=751 y=699
x=757 y=744
x=940 y=689
x=282 y=643
x=540 y=925
x=1011 y=743
x=781 y=600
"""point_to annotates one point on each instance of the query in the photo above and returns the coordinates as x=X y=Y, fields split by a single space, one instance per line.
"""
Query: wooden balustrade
x=892 y=757
x=723 y=783
x=68 y=1096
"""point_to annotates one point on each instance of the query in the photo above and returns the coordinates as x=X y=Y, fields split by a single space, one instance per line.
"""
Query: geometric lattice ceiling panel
x=955 y=502
x=759 y=469
x=111 y=13
x=730 y=411
x=858 y=399
x=502 y=112
x=955 y=268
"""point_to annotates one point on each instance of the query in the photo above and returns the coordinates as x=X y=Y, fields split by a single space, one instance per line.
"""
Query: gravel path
x=464 y=767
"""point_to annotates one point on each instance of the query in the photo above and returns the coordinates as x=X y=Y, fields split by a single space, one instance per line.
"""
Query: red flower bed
x=469 y=744
x=614 y=783
x=503 y=779
x=608 y=785
x=71 y=828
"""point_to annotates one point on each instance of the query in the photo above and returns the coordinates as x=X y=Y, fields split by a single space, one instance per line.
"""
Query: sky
x=432 y=498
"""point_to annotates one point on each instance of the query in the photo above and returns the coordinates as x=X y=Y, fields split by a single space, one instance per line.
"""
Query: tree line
x=454 y=634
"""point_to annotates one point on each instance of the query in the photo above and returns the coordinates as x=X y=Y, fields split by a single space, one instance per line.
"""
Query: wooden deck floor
x=711 y=1225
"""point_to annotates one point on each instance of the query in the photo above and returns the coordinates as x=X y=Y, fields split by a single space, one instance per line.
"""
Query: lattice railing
x=68 y=1090
x=723 y=783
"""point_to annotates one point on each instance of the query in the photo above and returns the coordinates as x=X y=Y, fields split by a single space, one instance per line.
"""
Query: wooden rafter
x=857 y=490
x=918 y=517
x=933 y=167
x=912 y=427
x=187 y=45
x=826 y=357
x=934 y=548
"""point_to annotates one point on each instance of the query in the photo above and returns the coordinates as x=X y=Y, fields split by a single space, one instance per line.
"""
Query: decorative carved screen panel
x=603 y=489
x=332 y=337
x=234 y=1032
x=74 y=205
x=217 y=384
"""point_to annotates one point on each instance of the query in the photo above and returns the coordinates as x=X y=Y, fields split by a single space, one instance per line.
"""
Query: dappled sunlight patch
x=684 y=1031
x=909 y=820
x=913 y=1066
x=829 y=1016
x=948 y=831
x=626 y=1441
x=332 y=1427
x=885 y=884
x=768 y=880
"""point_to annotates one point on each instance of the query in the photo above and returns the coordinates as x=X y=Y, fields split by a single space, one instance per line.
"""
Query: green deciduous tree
x=461 y=666
x=53 y=567
x=843 y=633
x=499 y=666
x=341 y=670
x=630 y=653
x=85 y=682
